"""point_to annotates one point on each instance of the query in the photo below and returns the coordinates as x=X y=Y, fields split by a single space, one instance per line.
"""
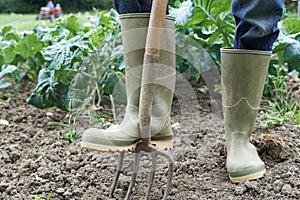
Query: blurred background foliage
x=32 y=6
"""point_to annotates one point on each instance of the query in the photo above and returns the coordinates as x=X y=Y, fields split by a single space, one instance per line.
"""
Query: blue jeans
x=133 y=6
x=256 y=23
x=256 y=20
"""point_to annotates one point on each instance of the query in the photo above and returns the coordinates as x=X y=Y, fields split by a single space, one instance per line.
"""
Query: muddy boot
x=125 y=136
x=243 y=78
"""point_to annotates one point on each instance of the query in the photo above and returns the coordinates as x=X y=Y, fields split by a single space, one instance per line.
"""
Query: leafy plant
x=81 y=65
x=80 y=62
x=287 y=47
x=72 y=133
x=7 y=69
x=48 y=197
x=283 y=105
x=73 y=65
x=210 y=24
x=21 y=53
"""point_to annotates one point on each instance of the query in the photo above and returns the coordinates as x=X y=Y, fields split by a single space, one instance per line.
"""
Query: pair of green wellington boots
x=243 y=77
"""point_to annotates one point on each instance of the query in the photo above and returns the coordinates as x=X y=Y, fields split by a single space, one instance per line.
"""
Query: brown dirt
x=34 y=161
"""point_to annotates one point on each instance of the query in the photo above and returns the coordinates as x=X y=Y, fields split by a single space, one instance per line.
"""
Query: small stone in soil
x=277 y=185
x=240 y=189
x=251 y=184
x=67 y=195
x=60 y=190
x=286 y=189
x=4 y=122
x=119 y=191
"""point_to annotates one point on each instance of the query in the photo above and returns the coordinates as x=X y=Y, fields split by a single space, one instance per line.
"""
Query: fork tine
x=117 y=174
x=135 y=168
x=170 y=176
x=152 y=174
x=170 y=170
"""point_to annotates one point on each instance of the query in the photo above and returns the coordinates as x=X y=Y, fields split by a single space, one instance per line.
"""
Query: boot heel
x=163 y=144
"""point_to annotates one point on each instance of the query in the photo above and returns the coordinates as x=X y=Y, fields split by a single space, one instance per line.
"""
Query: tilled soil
x=35 y=162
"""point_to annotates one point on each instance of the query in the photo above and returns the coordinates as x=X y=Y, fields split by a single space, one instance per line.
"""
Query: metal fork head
x=155 y=153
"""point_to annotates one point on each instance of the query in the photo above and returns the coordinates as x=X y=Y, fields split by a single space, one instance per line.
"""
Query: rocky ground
x=34 y=162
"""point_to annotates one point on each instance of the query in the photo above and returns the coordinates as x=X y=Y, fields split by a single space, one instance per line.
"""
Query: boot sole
x=248 y=177
x=161 y=144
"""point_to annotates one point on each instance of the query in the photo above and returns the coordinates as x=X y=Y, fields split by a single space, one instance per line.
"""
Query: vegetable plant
x=210 y=24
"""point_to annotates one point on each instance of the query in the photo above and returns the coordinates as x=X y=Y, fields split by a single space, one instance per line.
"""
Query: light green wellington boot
x=124 y=137
x=243 y=77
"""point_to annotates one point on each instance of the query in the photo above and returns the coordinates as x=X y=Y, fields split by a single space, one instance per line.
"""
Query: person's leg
x=256 y=23
x=133 y=6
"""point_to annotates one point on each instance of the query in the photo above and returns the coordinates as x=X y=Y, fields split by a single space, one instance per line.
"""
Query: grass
x=26 y=22
x=21 y=22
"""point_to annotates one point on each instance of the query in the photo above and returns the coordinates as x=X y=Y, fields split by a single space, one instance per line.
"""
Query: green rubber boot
x=243 y=77
x=124 y=137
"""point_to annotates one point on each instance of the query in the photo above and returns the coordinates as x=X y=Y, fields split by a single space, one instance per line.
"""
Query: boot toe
x=243 y=169
x=107 y=140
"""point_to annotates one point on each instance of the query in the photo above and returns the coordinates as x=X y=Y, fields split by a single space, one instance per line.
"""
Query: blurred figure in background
x=50 y=5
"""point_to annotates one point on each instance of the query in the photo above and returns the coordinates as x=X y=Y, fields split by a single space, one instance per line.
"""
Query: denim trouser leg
x=133 y=6
x=256 y=23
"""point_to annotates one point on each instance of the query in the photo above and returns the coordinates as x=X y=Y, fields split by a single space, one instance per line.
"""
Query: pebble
x=4 y=122
x=60 y=190
x=77 y=192
x=286 y=189
x=251 y=184
x=119 y=191
x=67 y=195
x=240 y=189
x=277 y=185
x=72 y=165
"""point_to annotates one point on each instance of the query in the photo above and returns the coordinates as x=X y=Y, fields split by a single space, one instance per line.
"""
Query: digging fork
x=150 y=65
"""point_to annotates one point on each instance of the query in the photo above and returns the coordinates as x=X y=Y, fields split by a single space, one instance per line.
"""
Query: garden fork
x=152 y=51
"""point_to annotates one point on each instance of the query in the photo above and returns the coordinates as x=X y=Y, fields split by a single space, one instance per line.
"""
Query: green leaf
x=297 y=37
x=290 y=26
x=198 y=17
x=71 y=23
x=215 y=16
x=9 y=33
x=29 y=45
x=4 y=83
x=7 y=54
x=49 y=93
x=7 y=70
x=66 y=52
x=215 y=38
x=291 y=55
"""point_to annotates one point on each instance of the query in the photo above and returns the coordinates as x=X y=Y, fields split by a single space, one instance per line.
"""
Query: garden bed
x=36 y=164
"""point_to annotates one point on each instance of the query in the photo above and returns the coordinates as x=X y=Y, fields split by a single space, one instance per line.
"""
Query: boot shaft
x=243 y=76
x=134 y=34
